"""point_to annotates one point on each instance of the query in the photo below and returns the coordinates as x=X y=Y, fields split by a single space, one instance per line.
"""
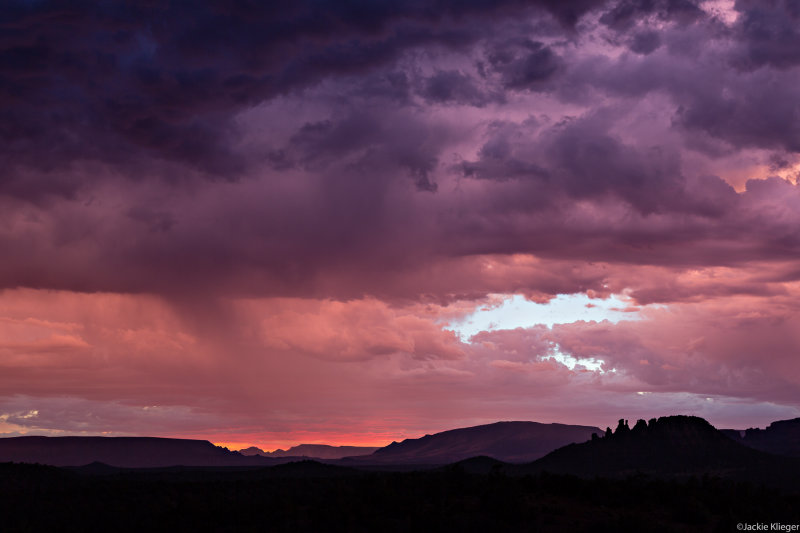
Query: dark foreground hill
x=130 y=452
x=312 y=497
x=673 y=446
x=318 y=451
x=513 y=442
x=781 y=437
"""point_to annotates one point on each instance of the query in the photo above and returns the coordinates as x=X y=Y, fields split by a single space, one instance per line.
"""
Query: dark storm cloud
x=523 y=64
x=752 y=112
x=645 y=42
x=391 y=86
x=452 y=86
x=699 y=68
x=627 y=13
x=122 y=81
x=373 y=139
x=355 y=109
x=580 y=159
x=769 y=33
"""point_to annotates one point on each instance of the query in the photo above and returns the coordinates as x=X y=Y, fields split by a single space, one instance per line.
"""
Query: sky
x=352 y=222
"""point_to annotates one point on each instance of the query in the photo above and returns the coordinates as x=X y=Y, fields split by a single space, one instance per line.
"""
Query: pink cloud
x=354 y=330
x=272 y=368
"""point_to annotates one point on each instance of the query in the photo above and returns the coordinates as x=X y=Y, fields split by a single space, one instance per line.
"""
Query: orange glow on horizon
x=271 y=442
x=271 y=445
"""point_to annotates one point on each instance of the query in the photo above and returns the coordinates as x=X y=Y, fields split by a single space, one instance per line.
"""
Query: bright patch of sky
x=589 y=363
x=517 y=312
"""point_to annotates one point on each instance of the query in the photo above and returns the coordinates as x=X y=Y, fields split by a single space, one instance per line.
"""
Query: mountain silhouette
x=669 y=446
x=128 y=452
x=518 y=442
x=513 y=442
x=318 y=451
x=253 y=450
x=781 y=437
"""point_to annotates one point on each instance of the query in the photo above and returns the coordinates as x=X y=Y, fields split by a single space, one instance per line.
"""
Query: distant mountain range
x=782 y=437
x=317 y=451
x=513 y=442
x=506 y=441
x=677 y=445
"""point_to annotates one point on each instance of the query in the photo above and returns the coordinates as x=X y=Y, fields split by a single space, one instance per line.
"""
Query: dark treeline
x=312 y=497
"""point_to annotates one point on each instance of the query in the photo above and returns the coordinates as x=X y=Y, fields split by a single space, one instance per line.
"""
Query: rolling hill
x=513 y=442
